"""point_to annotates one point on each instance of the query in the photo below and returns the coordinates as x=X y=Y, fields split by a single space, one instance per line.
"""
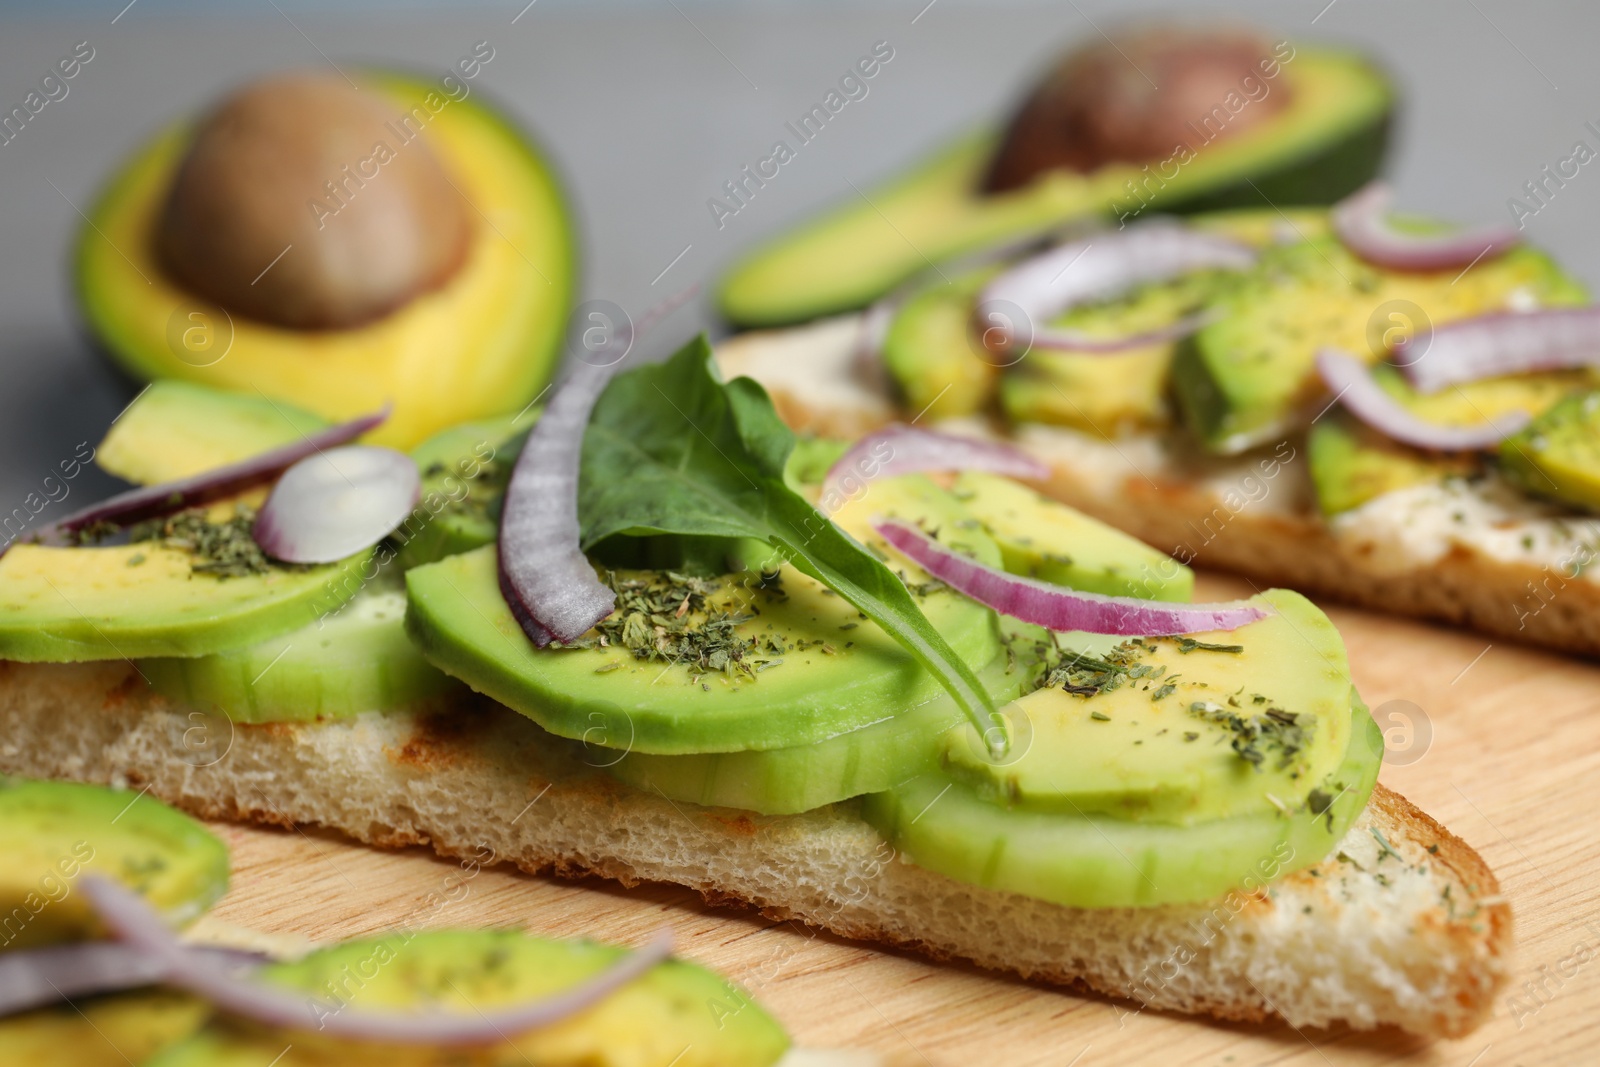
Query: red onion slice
x=336 y=503
x=898 y=449
x=1060 y=339
x=1056 y=607
x=133 y=921
x=1108 y=264
x=1361 y=222
x=1507 y=342
x=153 y=501
x=546 y=580
x=1355 y=387
x=39 y=977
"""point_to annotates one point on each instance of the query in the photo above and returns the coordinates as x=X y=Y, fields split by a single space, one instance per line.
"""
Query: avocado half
x=482 y=343
x=1326 y=142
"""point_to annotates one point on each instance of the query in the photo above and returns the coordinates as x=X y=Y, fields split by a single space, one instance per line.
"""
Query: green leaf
x=673 y=449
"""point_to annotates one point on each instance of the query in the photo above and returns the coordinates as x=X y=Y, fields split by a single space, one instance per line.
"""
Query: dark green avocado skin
x=1324 y=178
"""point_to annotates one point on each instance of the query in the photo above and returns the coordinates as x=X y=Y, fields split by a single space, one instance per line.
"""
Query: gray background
x=649 y=107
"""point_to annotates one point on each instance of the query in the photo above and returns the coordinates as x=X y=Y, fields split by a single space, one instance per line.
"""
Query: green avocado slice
x=676 y=1009
x=355 y=661
x=787 y=781
x=1045 y=539
x=1325 y=143
x=1249 y=378
x=54 y=833
x=1558 y=454
x=67 y=605
x=104 y=1031
x=1185 y=730
x=176 y=429
x=1099 y=861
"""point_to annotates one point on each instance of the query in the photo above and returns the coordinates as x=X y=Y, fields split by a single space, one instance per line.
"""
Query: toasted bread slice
x=1402 y=926
x=1231 y=513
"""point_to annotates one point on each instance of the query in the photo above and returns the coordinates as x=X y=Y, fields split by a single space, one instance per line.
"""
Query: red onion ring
x=1111 y=263
x=913 y=451
x=1355 y=387
x=1361 y=222
x=154 y=501
x=137 y=924
x=39 y=977
x=337 y=502
x=547 y=581
x=1507 y=342
x=1058 y=608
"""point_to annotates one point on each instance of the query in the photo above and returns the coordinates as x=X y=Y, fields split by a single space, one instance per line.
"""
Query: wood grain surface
x=1504 y=748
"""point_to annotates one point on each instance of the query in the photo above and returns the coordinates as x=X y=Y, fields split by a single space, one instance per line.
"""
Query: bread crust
x=1402 y=926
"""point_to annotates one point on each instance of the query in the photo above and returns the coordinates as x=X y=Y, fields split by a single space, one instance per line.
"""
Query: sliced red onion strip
x=1056 y=607
x=154 y=501
x=1361 y=222
x=336 y=503
x=1508 y=342
x=546 y=579
x=39 y=977
x=1354 y=386
x=1108 y=264
x=136 y=923
x=1059 y=339
x=897 y=450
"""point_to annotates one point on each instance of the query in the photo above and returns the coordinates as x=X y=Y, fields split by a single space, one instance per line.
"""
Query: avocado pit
x=298 y=205
x=1133 y=98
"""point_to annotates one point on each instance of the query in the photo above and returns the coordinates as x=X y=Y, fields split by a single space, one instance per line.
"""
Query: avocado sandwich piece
x=1318 y=501
x=460 y=781
x=1234 y=119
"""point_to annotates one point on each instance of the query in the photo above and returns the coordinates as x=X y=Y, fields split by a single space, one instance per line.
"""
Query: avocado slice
x=1044 y=539
x=464 y=473
x=104 y=1031
x=1558 y=454
x=358 y=660
x=66 y=605
x=1100 y=861
x=1178 y=730
x=484 y=341
x=175 y=429
x=53 y=833
x=839 y=671
x=1351 y=463
x=676 y=1009
x=1326 y=142
x=1248 y=378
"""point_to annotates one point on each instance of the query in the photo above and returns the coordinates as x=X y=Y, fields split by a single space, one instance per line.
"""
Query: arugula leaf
x=671 y=448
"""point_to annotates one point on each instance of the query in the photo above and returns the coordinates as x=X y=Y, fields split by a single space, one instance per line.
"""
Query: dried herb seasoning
x=1274 y=732
x=223 y=548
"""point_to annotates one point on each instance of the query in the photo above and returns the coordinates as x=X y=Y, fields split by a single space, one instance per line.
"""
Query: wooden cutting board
x=1503 y=747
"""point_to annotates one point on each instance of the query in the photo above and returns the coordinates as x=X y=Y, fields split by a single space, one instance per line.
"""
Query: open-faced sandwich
x=1399 y=412
x=93 y=972
x=886 y=689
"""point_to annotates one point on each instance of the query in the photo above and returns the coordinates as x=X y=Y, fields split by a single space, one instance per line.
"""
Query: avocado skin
x=1324 y=178
x=1557 y=456
x=794 y=278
